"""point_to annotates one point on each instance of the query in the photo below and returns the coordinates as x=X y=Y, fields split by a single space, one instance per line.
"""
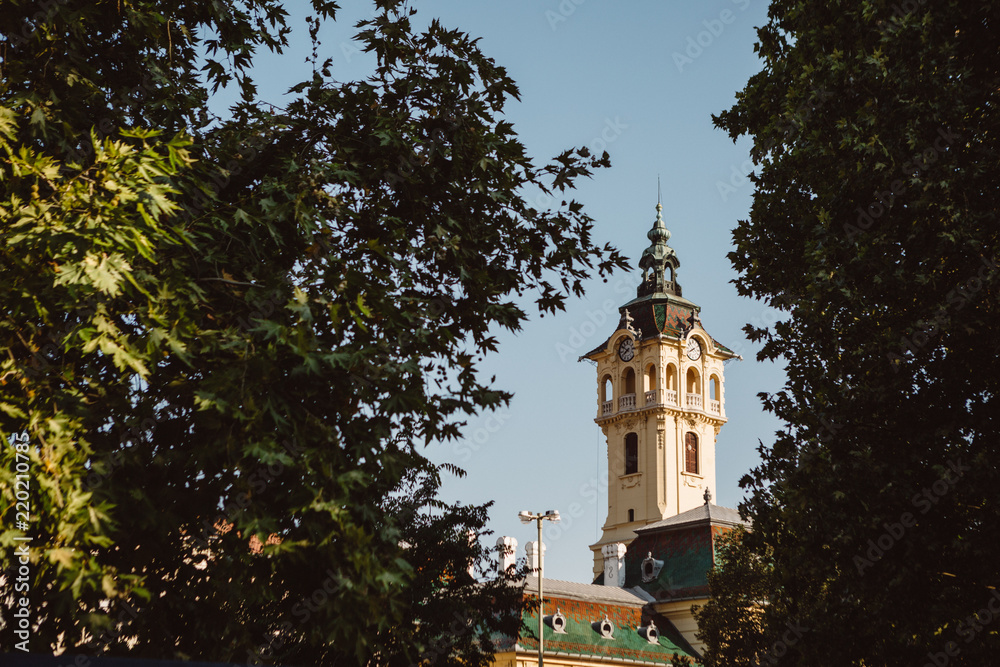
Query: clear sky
x=640 y=79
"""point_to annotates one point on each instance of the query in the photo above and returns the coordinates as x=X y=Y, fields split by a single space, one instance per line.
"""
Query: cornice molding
x=660 y=411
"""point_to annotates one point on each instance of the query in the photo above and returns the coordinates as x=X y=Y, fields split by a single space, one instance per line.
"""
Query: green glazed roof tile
x=581 y=638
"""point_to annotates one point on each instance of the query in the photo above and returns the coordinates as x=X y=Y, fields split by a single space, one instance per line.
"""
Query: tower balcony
x=654 y=397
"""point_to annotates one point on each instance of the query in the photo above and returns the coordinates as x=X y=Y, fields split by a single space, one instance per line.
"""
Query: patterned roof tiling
x=653 y=318
x=701 y=514
x=668 y=316
x=581 y=639
x=687 y=556
x=686 y=546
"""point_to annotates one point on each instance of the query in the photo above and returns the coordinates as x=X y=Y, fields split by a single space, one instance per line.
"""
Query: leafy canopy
x=227 y=338
x=874 y=226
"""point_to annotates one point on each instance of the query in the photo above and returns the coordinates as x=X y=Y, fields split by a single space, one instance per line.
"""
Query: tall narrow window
x=631 y=516
x=691 y=453
x=631 y=454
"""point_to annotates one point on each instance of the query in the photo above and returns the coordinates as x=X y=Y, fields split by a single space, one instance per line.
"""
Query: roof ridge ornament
x=636 y=333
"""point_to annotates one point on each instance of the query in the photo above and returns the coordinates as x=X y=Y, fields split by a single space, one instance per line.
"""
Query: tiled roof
x=667 y=315
x=587 y=592
x=582 y=607
x=686 y=556
x=707 y=513
x=684 y=546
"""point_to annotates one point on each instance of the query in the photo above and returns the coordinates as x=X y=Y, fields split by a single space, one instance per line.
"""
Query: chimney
x=507 y=546
x=473 y=539
x=532 y=548
x=614 y=564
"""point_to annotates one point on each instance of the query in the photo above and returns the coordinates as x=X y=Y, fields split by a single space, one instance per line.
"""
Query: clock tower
x=660 y=401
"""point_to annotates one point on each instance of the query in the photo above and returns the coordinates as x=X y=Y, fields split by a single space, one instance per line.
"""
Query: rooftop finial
x=659 y=195
x=707 y=496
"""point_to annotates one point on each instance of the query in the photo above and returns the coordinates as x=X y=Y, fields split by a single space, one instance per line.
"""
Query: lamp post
x=528 y=517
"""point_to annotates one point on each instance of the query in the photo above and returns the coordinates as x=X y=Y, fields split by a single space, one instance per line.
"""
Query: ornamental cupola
x=659 y=262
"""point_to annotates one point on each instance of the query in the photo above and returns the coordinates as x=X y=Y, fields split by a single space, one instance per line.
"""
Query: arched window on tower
x=691 y=452
x=607 y=396
x=631 y=454
x=649 y=380
x=627 y=399
x=629 y=377
x=693 y=389
x=715 y=394
x=671 y=385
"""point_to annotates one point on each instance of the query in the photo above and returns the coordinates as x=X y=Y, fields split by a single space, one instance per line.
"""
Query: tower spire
x=659 y=262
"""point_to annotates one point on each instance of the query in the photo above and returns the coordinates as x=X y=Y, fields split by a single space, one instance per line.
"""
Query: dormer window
x=557 y=622
x=604 y=628
x=650 y=633
x=651 y=568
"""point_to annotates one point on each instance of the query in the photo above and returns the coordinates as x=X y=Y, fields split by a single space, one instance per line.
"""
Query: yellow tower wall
x=660 y=412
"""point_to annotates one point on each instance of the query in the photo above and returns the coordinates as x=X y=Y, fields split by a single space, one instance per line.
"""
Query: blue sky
x=640 y=79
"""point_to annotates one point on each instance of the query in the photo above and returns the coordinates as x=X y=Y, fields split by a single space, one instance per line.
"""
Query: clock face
x=626 y=350
x=693 y=349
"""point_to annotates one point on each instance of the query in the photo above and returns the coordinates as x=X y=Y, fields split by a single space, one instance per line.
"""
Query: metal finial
x=659 y=197
x=707 y=496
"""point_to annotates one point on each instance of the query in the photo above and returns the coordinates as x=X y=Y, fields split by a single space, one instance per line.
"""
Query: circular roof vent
x=650 y=633
x=651 y=568
x=557 y=622
x=604 y=628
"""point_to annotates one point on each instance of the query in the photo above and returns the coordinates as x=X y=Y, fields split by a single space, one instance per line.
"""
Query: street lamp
x=528 y=517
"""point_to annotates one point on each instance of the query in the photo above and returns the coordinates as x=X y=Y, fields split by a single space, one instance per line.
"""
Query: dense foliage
x=227 y=339
x=875 y=130
x=735 y=624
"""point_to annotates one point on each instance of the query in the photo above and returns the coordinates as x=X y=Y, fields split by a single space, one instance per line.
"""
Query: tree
x=734 y=623
x=874 y=227
x=227 y=338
